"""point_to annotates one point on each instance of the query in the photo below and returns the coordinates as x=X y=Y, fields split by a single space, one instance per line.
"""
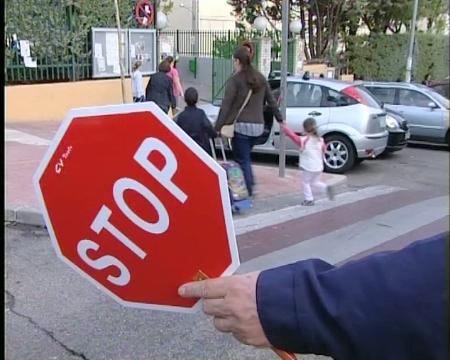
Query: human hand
x=232 y=302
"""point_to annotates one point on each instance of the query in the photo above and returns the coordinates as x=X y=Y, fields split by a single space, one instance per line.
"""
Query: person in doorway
x=195 y=122
x=246 y=93
x=175 y=76
x=312 y=148
x=390 y=305
x=159 y=88
x=137 y=83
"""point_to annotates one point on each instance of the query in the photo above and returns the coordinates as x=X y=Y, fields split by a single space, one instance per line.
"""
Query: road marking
x=339 y=245
x=24 y=138
x=271 y=218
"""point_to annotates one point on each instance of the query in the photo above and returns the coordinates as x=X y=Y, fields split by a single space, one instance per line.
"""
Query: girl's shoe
x=307 y=203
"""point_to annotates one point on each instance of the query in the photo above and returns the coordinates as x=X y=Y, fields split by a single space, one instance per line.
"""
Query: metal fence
x=48 y=68
x=219 y=43
x=69 y=67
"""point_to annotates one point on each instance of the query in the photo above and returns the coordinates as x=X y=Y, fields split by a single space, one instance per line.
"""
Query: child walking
x=194 y=121
x=137 y=83
x=312 y=147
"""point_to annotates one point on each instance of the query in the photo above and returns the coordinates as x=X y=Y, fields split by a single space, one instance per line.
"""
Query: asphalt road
x=53 y=313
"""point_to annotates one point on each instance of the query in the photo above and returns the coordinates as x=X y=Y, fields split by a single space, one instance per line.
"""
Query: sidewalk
x=24 y=153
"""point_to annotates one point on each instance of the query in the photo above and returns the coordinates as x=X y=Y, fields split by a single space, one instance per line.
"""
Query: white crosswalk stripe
x=12 y=135
x=341 y=244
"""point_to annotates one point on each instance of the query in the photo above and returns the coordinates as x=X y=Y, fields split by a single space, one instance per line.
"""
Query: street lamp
x=161 y=20
x=260 y=23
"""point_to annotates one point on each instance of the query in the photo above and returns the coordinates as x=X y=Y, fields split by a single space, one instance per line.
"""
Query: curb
x=27 y=215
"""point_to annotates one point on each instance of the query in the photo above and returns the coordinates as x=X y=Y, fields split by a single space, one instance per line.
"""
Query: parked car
x=425 y=110
x=398 y=130
x=351 y=121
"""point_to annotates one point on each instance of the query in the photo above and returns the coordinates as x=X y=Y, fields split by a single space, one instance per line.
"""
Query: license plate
x=407 y=135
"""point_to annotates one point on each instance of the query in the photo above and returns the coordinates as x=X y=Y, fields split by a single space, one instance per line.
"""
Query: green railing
x=70 y=67
x=48 y=69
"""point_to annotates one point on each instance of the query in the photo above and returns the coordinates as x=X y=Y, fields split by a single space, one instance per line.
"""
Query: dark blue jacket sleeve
x=390 y=305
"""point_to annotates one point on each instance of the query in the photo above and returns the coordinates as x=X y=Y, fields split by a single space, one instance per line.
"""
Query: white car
x=351 y=121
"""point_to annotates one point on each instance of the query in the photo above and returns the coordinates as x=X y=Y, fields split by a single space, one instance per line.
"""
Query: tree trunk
x=311 y=37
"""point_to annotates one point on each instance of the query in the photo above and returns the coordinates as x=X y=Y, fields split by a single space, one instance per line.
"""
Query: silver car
x=426 y=111
x=348 y=117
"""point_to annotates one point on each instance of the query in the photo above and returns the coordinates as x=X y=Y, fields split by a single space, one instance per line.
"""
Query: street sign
x=135 y=205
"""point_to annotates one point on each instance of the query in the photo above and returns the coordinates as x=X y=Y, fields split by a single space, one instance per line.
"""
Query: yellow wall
x=51 y=102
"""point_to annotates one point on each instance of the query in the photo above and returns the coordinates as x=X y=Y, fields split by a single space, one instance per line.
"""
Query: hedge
x=383 y=57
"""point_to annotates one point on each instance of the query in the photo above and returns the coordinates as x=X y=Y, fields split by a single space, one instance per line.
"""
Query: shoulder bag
x=228 y=130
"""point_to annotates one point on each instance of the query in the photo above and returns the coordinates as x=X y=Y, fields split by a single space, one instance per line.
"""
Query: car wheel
x=339 y=155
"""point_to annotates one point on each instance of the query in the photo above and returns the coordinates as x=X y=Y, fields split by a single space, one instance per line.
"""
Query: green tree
x=320 y=20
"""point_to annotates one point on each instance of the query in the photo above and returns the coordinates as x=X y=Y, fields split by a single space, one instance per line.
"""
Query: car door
x=304 y=100
x=384 y=94
x=425 y=122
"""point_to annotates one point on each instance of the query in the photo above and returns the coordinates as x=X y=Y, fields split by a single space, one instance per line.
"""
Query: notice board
x=142 y=45
x=105 y=52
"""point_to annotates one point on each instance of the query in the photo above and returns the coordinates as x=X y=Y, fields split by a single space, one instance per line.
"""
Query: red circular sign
x=144 y=13
x=135 y=205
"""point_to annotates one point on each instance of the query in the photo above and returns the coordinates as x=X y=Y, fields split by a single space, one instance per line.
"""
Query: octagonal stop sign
x=135 y=205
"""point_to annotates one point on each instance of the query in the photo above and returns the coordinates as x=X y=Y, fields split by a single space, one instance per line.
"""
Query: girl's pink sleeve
x=292 y=135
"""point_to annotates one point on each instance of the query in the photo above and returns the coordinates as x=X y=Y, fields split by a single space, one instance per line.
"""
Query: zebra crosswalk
x=360 y=222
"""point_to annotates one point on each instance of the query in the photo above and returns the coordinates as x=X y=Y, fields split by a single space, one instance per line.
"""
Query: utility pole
x=119 y=35
x=283 y=85
x=411 y=43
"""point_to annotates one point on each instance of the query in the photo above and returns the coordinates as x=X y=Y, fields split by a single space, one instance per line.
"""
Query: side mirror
x=432 y=105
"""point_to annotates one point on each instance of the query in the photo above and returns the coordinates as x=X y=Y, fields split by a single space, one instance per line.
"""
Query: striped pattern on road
x=347 y=230
x=12 y=135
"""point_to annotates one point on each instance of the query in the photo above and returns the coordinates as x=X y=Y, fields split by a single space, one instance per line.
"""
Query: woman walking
x=175 y=76
x=246 y=93
x=159 y=88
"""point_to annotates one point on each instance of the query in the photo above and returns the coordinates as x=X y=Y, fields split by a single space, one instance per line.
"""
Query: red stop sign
x=135 y=205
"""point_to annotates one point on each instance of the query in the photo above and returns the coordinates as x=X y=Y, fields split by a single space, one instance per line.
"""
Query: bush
x=383 y=57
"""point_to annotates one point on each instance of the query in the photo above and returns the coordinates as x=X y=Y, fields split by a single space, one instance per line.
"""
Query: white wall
x=212 y=15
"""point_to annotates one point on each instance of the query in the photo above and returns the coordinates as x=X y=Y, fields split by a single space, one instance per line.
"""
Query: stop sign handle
x=284 y=355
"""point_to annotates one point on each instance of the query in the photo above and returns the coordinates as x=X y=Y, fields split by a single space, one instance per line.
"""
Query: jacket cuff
x=276 y=306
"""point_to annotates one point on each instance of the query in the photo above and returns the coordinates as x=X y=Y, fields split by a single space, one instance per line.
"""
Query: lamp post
x=283 y=84
x=411 y=43
x=119 y=35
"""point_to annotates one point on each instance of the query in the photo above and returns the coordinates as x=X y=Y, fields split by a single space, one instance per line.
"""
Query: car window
x=385 y=95
x=334 y=98
x=304 y=95
x=413 y=98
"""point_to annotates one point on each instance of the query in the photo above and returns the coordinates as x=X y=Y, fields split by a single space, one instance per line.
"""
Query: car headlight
x=391 y=123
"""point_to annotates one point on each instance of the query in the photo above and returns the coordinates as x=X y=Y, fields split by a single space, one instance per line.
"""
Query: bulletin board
x=105 y=52
x=142 y=45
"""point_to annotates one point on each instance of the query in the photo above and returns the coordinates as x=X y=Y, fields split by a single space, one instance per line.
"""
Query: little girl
x=312 y=148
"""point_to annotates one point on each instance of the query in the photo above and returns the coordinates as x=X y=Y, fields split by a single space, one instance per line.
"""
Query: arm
x=269 y=98
x=387 y=305
x=177 y=82
x=228 y=99
x=292 y=135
